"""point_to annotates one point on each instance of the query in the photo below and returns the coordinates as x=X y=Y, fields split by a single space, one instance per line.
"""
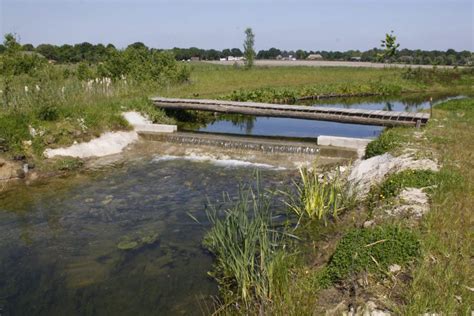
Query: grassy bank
x=406 y=266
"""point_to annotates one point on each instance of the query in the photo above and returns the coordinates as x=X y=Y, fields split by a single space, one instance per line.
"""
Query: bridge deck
x=356 y=116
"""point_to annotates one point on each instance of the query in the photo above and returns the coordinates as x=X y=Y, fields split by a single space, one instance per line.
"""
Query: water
x=59 y=241
x=288 y=127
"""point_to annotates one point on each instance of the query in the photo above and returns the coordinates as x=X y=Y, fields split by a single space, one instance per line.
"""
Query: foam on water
x=226 y=163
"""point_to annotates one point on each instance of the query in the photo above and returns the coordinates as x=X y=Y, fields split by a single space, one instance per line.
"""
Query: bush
x=371 y=250
x=142 y=64
x=47 y=112
x=387 y=141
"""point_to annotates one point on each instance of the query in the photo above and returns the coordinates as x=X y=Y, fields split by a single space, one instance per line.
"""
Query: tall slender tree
x=249 y=52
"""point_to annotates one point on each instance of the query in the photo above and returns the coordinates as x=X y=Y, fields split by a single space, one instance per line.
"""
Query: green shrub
x=48 y=112
x=387 y=141
x=84 y=72
x=371 y=250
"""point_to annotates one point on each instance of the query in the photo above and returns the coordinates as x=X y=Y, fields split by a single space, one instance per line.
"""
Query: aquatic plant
x=137 y=240
x=317 y=197
x=251 y=259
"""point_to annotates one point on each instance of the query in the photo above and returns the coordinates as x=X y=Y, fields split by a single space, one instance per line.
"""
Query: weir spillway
x=263 y=145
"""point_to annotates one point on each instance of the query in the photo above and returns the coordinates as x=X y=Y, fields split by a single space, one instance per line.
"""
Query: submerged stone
x=149 y=239
x=127 y=245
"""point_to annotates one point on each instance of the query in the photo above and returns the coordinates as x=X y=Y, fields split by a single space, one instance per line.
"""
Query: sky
x=219 y=24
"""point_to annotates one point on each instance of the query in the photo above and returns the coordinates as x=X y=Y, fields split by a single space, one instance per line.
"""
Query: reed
x=317 y=198
x=252 y=256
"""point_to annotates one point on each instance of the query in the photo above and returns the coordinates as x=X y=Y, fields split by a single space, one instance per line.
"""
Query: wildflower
x=37 y=88
x=26 y=89
x=62 y=90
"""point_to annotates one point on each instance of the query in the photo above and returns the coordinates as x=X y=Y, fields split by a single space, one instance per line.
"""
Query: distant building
x=232 y=58
x=314 y=57
x=356 y=58
x=195 y=59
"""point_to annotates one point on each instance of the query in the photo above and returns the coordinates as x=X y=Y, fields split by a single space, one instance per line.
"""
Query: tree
x=249 y=52
x=389 y=45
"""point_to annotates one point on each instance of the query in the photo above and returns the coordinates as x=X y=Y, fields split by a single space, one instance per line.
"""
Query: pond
x=116 y=243
x=288 y=127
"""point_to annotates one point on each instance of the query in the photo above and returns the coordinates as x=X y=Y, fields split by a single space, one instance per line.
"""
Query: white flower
x=37 y=88
x=62 y=90
x=26 y=88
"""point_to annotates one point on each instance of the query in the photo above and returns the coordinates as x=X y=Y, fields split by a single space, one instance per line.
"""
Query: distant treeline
x=86 y=52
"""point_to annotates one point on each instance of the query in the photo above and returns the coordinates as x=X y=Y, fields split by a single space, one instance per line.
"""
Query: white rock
x=366 y=173
x=414 y=202
x=107 y=144
x=111 y=142
x=135 y=118
x=394 y=268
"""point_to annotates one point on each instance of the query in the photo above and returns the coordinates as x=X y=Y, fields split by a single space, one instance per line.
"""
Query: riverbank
x=404 y=248
x=63 y=110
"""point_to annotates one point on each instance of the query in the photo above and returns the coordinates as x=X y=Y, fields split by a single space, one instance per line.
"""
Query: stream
x=124 y=240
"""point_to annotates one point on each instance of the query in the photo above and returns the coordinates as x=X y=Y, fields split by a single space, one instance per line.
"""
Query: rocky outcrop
x=10 y=171
x=372 y=171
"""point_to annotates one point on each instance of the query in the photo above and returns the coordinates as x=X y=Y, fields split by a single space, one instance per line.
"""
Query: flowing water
x=60 y=242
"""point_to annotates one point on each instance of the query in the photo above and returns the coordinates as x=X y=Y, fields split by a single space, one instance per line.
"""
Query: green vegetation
x=90 y=53
x=43 y=105
x=444 y=279
x=317 y=199
x=251 y=260
x=394 y=183
x=389 y=46
x=387 y=141
x=434 y=255
x=371 y=250
x=249 y=52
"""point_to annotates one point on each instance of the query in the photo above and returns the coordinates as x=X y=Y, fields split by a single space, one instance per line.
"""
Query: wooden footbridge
x=354 y=116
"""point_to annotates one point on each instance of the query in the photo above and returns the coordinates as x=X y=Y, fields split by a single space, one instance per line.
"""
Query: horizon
x=167 y=24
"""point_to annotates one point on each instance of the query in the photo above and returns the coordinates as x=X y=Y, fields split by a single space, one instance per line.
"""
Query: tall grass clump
x=251 y=252
x=317 y=198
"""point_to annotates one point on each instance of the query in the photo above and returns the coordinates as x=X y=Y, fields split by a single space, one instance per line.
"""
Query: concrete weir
x=281 y=152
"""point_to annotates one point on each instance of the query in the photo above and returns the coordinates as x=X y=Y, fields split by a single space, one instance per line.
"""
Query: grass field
x=211 y=81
